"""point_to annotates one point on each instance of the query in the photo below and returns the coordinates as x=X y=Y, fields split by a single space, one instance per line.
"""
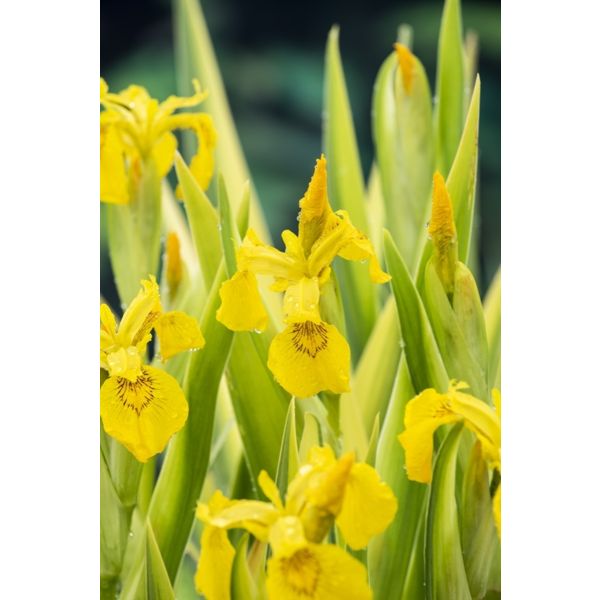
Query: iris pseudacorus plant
x=135 y=128
x=309 y=355
x=142 y=406
x=430 y=409
x=324 y=492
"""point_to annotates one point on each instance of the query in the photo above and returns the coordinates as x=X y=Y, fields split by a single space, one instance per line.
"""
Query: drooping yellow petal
x=241 y=305
x=368 y=508
x=301 y=301
x=317 y=572
x=213 y=576
x=423 y=415
x=497 y=507
x=359 y=247
x=406 y=64
x=326 y=490
x=143 y=415
x=314 y=207
x=163 y=153
x=309 y=357
x=141 y=315
x=427 y=411
x=442 y=232
x=114 y=183
x=178 y=332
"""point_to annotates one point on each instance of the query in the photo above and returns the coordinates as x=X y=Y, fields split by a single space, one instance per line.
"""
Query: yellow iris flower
x=135 y=128
x=142 y=406
x=309 y=355
x=427 y=411
x=325 y=491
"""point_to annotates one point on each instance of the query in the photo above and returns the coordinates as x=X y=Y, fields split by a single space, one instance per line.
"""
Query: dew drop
x=131 y=534
x=257 y=331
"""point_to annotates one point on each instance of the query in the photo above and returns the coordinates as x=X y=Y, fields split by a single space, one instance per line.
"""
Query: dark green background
x=271 y=59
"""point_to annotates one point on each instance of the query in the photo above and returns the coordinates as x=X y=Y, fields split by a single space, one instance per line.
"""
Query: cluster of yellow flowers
x=331 y=502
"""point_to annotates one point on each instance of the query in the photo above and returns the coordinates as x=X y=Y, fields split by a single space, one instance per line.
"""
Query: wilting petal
x=314 y=207
x=178 y=332
x=368 y=508
x=172 y=103
x=442 y=232
x=241 y=305
x=309 y=357
x=141 y=315
x=144 y=414
x=213 y=576
x=202 y=164
x=406 y=64
x=423 y=415
x=317 y=572
x=114 y=183
x=360 y=248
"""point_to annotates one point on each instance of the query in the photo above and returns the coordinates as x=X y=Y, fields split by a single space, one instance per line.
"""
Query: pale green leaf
x=203 y=221
x=178 y=487
x=491 y=309
x=376 y=370
x=347 y=191
x=243 y=586
x=450 y=84
x=404 y=143
x=195 y=58
x=289 y=460
x=423 y=356
x=390 y=553
x=446 y=578
x=134 y=235
x=459 y=356
x=478 y=530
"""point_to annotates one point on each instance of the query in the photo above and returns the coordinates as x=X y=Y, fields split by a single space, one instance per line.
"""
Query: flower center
x=309 y=338
x=301 y=572
x=136 y=395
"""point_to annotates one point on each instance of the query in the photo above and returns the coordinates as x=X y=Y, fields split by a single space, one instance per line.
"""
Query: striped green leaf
x=347 y=190
x=195 y=58
x=404 y=144
x=446 y=578
x=450 y=84
x=423 y=356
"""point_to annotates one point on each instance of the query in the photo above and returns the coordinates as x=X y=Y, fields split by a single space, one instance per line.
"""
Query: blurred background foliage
x=271 y=56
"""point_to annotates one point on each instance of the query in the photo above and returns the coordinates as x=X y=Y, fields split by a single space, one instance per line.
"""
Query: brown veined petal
x=317 y=572
x=143 y=414
x=178 y=332
x=309 y=357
